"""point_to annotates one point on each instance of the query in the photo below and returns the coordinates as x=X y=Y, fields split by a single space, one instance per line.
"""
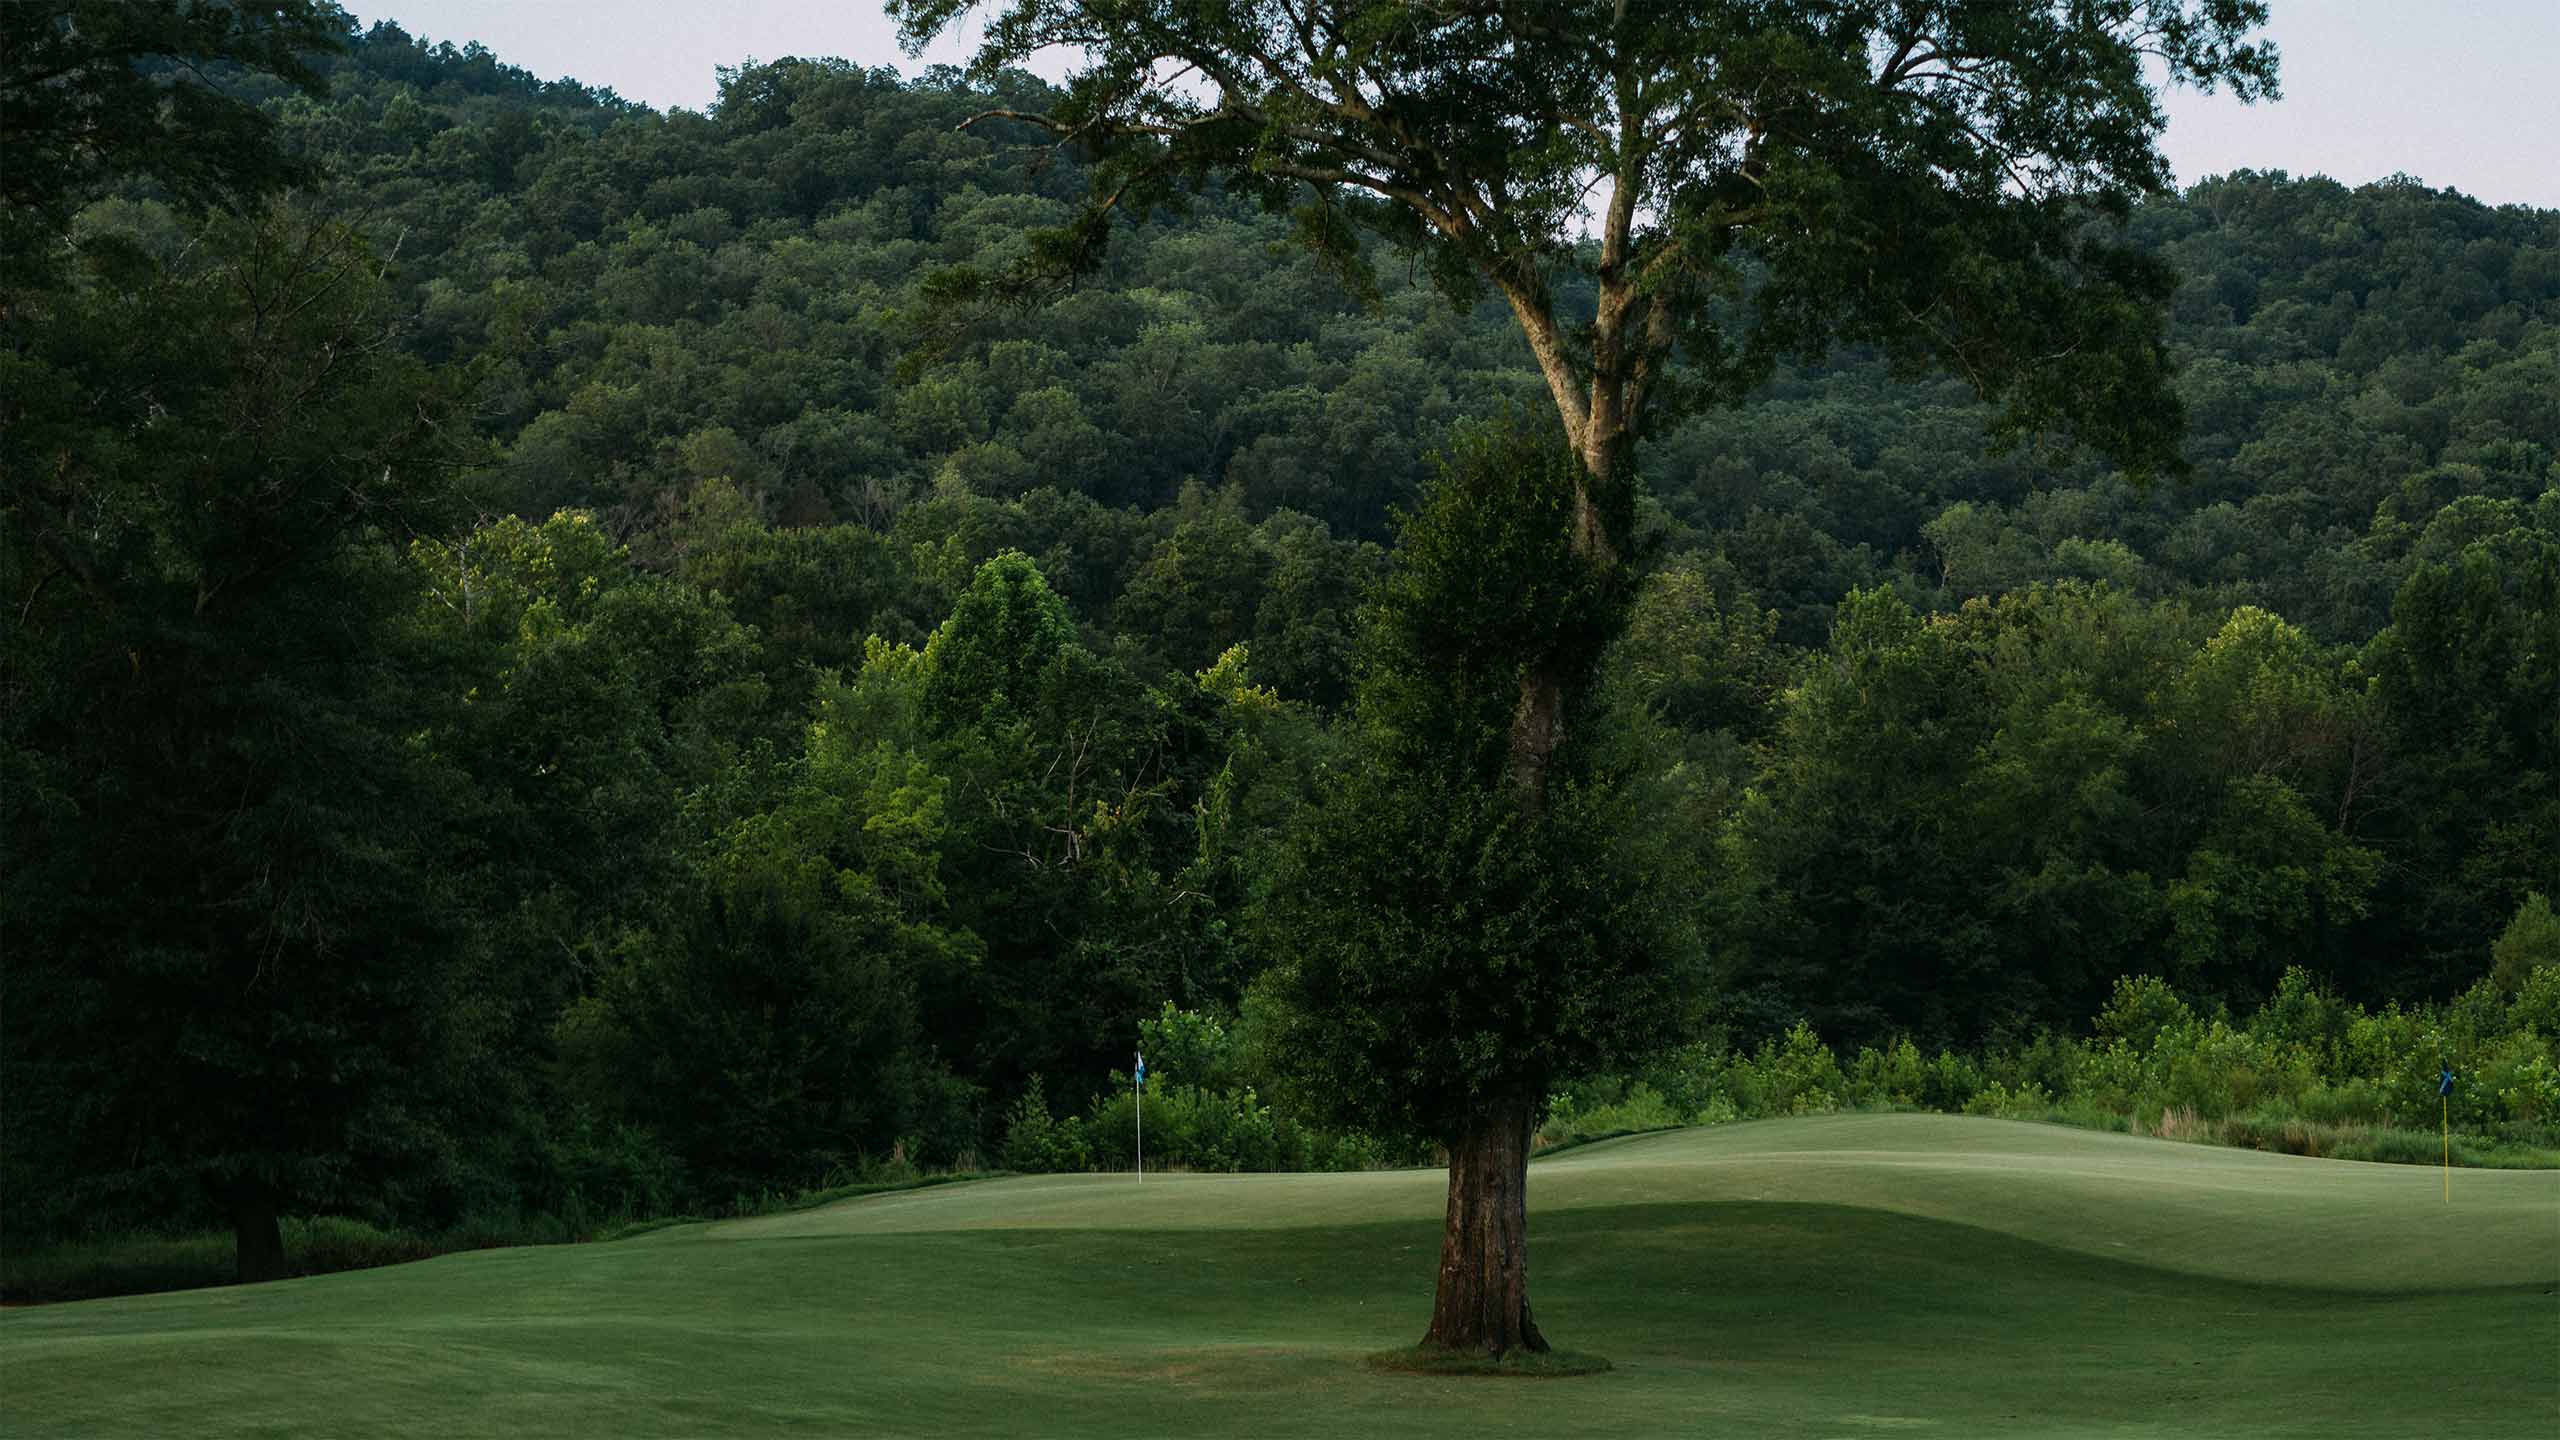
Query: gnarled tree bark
x=1482 y=1305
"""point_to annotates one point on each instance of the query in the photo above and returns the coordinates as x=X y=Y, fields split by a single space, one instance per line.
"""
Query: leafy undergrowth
x=2266 y=1129
x=143 y=1263
x=2305 y=1074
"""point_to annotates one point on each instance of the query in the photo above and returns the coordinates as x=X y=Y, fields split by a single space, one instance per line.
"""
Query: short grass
x=1831 y=1276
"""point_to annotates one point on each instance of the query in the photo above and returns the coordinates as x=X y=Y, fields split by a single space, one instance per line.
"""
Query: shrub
x=1892 y=1076
x=2343 y=1102
x=2140 y=1009
x=2274 y=1129
x=2111 y=1076
x=1190 y=1047
x=2028 y=1102
x=2518 y=1080
x=1691 y=1078
x=2531 y=943
x=1642 y=1108
x=2301 y=1013
x=1799 y=1075
x=2537 y=1004
x=1037 y=1143
x=2216 y=1070
x=599 y=1171
x=2308 y=1074
x=1950 y=1082
x=2047 y=1062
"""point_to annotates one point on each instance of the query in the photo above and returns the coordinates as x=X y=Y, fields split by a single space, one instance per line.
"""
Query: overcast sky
x=2460 y=93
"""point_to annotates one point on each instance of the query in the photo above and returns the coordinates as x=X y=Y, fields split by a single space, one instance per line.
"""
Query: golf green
x=1829 y=1276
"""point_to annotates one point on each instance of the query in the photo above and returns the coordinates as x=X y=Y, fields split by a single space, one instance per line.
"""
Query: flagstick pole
x=1142 y=1120
x=2444 y=1104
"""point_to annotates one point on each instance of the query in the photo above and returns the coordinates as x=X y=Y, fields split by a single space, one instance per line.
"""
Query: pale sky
x=2459 y=93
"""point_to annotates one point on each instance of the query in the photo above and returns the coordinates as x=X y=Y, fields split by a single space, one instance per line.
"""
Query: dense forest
x=553 y=670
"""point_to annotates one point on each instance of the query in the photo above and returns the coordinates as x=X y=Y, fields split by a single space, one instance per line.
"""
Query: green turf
x=1824 y=1277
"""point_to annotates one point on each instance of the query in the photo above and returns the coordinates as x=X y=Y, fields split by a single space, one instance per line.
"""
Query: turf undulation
x=1832 y=1276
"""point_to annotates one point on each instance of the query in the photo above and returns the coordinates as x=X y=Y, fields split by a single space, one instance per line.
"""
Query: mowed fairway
x=1834 y=1276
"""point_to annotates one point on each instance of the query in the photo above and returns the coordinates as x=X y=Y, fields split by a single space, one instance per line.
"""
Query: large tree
x=1670 y=196
x=233 y=946
x=1448 y=950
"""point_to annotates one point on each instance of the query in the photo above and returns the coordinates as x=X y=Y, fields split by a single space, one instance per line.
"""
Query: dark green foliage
x=1438 y=940
x=1967 y=823
x=2306 y=1073
x=1104 y=822
x=768 y=1039
x=599 y=694
x=1203 y=354
x=2469 y=673
x=1488 y=586
x=1443 y=949
x=234 y=953
x=97 y=91
x=1001 y=654
x=2530 y=942
x=1201 y=1114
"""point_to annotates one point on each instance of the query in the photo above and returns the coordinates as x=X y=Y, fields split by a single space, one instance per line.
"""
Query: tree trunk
x=1483 y=1302
x=254 y=1225
x=1482 y=1306
x=1537 y=722
x=1537 y=728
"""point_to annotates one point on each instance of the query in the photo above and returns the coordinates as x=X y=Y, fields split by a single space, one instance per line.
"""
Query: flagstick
x=2445 y=1105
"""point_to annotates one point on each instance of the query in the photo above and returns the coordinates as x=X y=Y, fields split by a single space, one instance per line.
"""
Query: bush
x=2028 y=1102
x=2213 y=1069
x=2518 y=1082
x=1037 y=1143
x=2343 y=1102
x=1641 y=1108
x=1950 y=1082
x=2537 y=1004
x=2142 y=1007
x=2111 y=1075
x=1798 y=1074
x=767 y=1039
x=2302 y=1014
x=1892 y=1076
x=1191 y=1047
x=597 y=1172
x=2309 y=1074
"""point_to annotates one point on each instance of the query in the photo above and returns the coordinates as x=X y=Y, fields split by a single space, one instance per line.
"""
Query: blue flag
x=1142 y=1072
x=2444 y=1083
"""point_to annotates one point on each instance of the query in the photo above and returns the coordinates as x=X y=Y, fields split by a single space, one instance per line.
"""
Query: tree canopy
x=94 y=91
x=1670 y=197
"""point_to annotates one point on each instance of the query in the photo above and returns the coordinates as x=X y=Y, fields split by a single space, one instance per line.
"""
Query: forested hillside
x=554 y=671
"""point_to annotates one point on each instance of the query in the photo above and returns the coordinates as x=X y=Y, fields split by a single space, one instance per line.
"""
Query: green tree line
x=529 y=695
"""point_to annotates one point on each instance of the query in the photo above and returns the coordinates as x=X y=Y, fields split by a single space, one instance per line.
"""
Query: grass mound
x=1787 y=1279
